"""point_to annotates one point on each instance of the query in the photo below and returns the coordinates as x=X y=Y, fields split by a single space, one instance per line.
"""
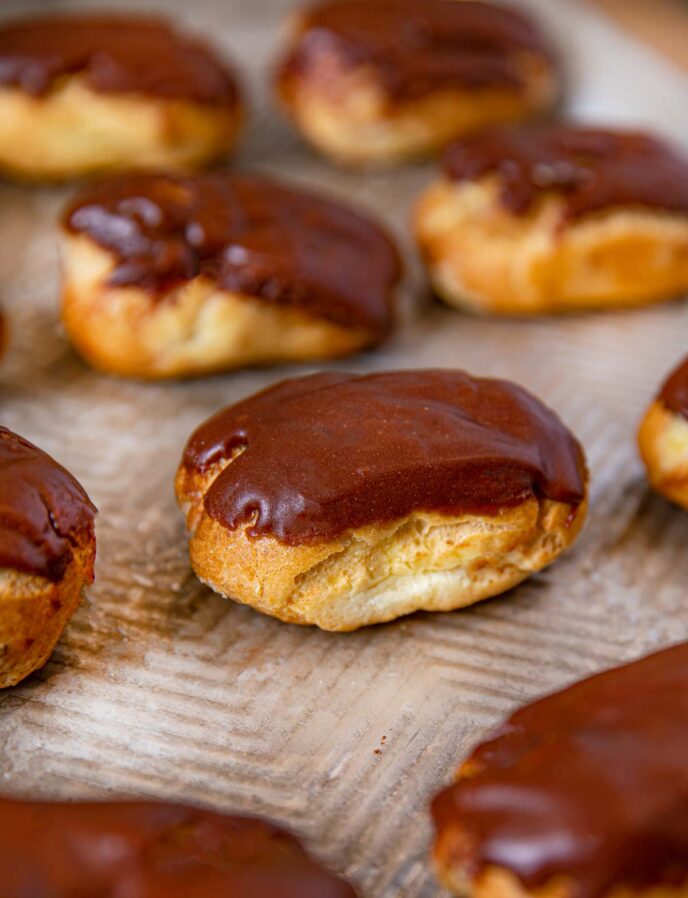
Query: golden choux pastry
x=343 y=500
x=382 y=81
x=555 y=219
x=583 y=794
x=82 y=94
x=663 y=438
x=47 y=552
x=168 y=276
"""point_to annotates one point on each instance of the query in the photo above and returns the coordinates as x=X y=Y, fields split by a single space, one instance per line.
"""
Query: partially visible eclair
x=582 y=794
x=663 y=438
x=47 y=553
x=83 y=94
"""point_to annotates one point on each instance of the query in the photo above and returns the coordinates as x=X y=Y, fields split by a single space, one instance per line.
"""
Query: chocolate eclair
x=583 y=794
x=342 y=500
x=47 y=552
x=81 y=94
x=556 y=218
x=663 y=438
x=169 y=276
x=152 y=849
x=378 y=81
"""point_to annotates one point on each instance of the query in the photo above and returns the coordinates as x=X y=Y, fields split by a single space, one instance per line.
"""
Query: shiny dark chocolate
x=589 y=784
x=331 y=452
x=44 y=512
x=251 y=235
x=149 y=850
x=674 y=393
x=114 y=54
x=417 y=46
x=591 y=169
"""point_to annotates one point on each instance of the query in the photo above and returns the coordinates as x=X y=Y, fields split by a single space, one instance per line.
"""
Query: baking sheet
x=160 y=688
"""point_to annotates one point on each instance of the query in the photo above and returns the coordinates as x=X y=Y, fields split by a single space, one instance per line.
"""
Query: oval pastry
x=168 y=276
x=47 y=551
x=583 y=793
x=342 y=501
x=84 y=94
x=554 y=219
x=663 y=438
x=374 y=81
x=146 y=849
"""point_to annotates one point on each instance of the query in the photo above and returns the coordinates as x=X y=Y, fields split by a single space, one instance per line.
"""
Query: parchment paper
x=160 y=688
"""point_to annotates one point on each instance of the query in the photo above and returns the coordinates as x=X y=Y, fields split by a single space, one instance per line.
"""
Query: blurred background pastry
x=382 y=81
x=556 y=218
x=583 y=793
x=84 y=94
x=663 y=438
x=147 y=848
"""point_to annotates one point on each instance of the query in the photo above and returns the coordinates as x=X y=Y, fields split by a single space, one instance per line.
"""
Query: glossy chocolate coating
x=150 y=850
x=589 y=784
x=674 y=393
x=417 y=46
x=591 y=169
x=114 y=54
x=249 y=234
x=332 y=452
x=44 y=512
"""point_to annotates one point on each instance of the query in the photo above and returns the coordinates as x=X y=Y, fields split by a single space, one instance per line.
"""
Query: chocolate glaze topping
x=150 y=850
x=591 y=169
x=115 y=54
x=417 y=46
x=250 y=235
x=589 y=784
x=44 y=512
x=674 y=393
x=331 y=452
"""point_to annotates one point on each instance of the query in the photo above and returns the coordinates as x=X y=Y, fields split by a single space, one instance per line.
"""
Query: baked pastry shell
x=483 y=258
x=192 y=329
x=73 y=131
x=376 y=573
x=346 y=113
x=663 y=444
x=34 y=612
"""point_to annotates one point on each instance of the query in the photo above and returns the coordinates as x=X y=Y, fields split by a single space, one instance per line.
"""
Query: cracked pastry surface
x=47 y=552
x=582 y=793
x=381 y=81
x=342 y=500
x=556 y=218
x=663 y=438
x=168 y=276
x=147 y=849
x=85 y=94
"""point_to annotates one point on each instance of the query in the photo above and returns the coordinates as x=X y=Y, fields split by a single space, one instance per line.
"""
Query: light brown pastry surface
x=382 y=81
x=35 y=610
x=663 y=438
x=86 y=94
x=530 y=239
x=276 y=275
x=47 y=553
x=392 y=505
